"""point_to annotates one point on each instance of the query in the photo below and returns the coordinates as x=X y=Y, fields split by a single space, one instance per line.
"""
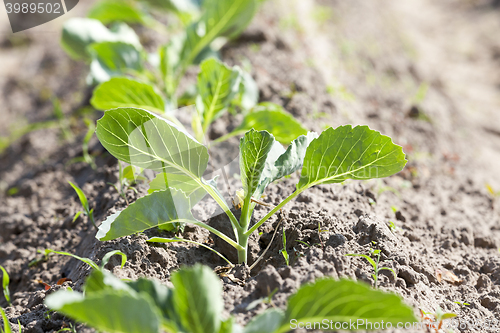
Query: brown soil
x=328 y=63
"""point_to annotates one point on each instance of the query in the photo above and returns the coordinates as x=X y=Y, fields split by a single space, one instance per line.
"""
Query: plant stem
x=222 y=203
x=242 y=253
x=276 y=208
x=91 y=218
x=212 y=230
x=246 y=213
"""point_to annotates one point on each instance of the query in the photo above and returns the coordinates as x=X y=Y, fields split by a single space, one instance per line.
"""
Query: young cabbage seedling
x=85 y=204
x=374 y=263
x=141 y=138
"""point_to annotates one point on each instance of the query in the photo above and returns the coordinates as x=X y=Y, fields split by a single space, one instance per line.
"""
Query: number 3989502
x=32 y=8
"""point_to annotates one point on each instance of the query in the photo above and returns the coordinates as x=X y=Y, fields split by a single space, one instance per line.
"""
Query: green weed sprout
x=127 y=178
x=283 y=250
x=87 y=158
x=374 y=263
x=90 y=262
x=462 y=304
x=63 y=122
x=494 y=194
x=394 y=228
x=44 y=258
x=320 y=230
x=6 y=324
x=265 y=300
x=5 y=284
x=141 y=138
x=85 y=204
x=438 y=317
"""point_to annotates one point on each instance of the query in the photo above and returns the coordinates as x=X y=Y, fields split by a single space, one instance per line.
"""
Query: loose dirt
x=329 y=63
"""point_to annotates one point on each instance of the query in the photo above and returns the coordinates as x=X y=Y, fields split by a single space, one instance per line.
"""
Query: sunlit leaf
x=193 y=191
x=153 y=210
x=186 y=9
x=140 y=138
x=108 y=11
x=79 y=33
x=124 y=92
x=350 y=153
x=109 y=310
x=254 y=149
x=266 y=322
x=221 y=18
x=198 y=299
x=345 y=301
x=217 y=86
x=272 y=118
x=111 y=59
x=280 y=162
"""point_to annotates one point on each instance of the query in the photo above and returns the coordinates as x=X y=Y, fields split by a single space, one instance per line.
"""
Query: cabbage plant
x=143 y=139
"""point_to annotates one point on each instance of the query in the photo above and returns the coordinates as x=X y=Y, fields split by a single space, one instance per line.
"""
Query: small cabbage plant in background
x=127 y=76
x=143 y=139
